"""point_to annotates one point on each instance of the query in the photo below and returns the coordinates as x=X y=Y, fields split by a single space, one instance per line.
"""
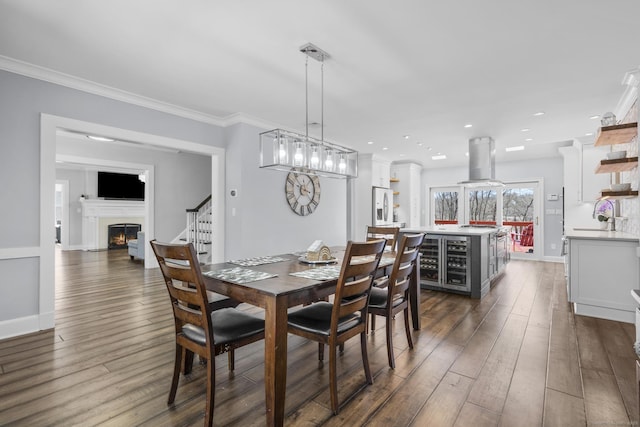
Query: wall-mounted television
x=120 y=186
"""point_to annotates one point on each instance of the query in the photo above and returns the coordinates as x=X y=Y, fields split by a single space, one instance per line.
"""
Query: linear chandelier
x=282 y=149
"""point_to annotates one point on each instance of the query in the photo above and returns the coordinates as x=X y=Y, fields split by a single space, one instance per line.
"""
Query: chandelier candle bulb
x=315 y=157
x=328 y=162
x=342 y=165
x=298 y=157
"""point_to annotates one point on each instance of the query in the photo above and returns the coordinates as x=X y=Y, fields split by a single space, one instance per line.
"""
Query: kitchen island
x=462 y=259
x=601 y=268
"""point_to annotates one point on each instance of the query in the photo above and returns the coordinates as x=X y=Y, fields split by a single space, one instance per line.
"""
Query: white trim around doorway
x=49 y=124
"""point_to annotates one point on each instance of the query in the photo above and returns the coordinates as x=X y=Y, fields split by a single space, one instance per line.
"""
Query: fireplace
x=119 y=234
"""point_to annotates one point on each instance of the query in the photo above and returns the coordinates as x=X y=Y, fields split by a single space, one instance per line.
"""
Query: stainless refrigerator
x=382 y=206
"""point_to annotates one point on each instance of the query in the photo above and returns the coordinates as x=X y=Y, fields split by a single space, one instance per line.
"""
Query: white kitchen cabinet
x=602 y=273
x=380 y=172
x=591 y=184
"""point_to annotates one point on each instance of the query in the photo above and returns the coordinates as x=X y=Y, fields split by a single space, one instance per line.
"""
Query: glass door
x=430 y=261
x=520 y=207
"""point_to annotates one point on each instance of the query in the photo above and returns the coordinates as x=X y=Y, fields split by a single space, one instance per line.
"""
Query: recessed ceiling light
x=589 y=134
x=401 y=154
x=515 y=148
x=525 y=130
x=529 y=139
x=419 y=144
x=594 y=117
x=468 y=125
x=539 y=113
x=385 y=148
x=370 y=142
x=428 y=148
x=406 y=136
x=439 y=157
x=100 y=138
x=466 y=154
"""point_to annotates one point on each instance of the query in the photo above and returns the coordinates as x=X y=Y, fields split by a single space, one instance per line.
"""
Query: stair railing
x=199 y=227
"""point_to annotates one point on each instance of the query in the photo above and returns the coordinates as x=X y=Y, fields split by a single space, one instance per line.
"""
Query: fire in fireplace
x=120 y=234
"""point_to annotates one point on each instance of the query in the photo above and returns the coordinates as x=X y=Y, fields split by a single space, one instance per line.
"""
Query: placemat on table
x=239 y=275
x=260 y=260
x=319 y=273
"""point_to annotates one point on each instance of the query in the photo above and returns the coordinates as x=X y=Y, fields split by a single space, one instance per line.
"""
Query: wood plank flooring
x=518 y=357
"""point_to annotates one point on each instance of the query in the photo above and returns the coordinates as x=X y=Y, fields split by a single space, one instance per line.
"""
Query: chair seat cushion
x=218 y=301
x=378 y=298
x=229 y=325
x=316 y=318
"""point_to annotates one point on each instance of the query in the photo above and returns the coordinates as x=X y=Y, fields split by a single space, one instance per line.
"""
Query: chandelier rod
x=306 y=93
x=322 y=102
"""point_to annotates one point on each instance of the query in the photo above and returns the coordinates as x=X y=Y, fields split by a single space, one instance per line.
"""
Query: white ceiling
x=412 y=67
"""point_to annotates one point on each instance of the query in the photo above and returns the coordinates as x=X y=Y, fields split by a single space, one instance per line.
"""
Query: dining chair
x=334 y=323
x=392 y=299
x=384 y=232
x=198 y=328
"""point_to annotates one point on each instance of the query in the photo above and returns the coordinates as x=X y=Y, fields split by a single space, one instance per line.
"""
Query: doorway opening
x=49 y=126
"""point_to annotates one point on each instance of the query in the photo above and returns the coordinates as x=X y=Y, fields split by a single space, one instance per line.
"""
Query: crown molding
x=631 y=80
x=239 y=117
x=67 y=80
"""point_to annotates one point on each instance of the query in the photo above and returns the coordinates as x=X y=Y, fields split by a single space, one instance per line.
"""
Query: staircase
x=199 y=230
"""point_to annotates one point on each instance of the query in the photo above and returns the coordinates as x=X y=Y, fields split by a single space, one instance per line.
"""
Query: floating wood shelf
x=394 y=180
x=617 y=165
x=616 y=134
x=397 y=205
x=395 y=193
x=607 y=194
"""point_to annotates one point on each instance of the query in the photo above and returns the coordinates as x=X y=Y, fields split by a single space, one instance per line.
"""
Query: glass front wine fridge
x=445 y=262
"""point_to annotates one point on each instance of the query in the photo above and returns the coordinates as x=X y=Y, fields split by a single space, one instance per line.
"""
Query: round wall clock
x=303 y=191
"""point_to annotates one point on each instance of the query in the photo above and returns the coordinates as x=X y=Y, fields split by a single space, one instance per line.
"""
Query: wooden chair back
x=388 y=233
x=356 y=278
x=403 y=267
x=183 y=279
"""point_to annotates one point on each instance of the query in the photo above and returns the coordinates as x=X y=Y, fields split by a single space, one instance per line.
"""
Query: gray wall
x=550 y=169
x=263 y=222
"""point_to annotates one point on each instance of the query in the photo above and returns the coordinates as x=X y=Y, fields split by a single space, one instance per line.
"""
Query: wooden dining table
x=276 y=295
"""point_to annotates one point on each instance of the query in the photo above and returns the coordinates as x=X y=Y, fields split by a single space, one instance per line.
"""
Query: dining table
x=276 y=284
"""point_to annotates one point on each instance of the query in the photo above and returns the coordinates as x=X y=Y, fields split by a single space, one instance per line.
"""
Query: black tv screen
x=113 y=185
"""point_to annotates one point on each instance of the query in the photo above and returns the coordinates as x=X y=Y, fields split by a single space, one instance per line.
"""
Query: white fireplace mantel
x=94 y=209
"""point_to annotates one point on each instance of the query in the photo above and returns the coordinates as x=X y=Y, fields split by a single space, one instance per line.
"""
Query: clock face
x=302 y=191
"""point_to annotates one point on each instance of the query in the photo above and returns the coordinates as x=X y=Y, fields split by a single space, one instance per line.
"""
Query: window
x=482 y=206
x=445 y=207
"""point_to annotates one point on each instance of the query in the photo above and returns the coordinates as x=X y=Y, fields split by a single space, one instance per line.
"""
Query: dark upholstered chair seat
x=316 y=318
x=228 y=325
x=218 y=301
x=378 y=298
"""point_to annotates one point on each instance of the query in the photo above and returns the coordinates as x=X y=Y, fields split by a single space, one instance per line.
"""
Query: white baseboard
x=23 y=325
x=604 y=313
x=15 y=253
x=554 y=259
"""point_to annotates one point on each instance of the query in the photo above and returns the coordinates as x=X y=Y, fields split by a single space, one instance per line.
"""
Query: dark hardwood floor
x=517 y=357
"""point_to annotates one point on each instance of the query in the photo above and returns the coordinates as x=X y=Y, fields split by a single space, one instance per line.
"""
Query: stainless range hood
x=482 y=154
